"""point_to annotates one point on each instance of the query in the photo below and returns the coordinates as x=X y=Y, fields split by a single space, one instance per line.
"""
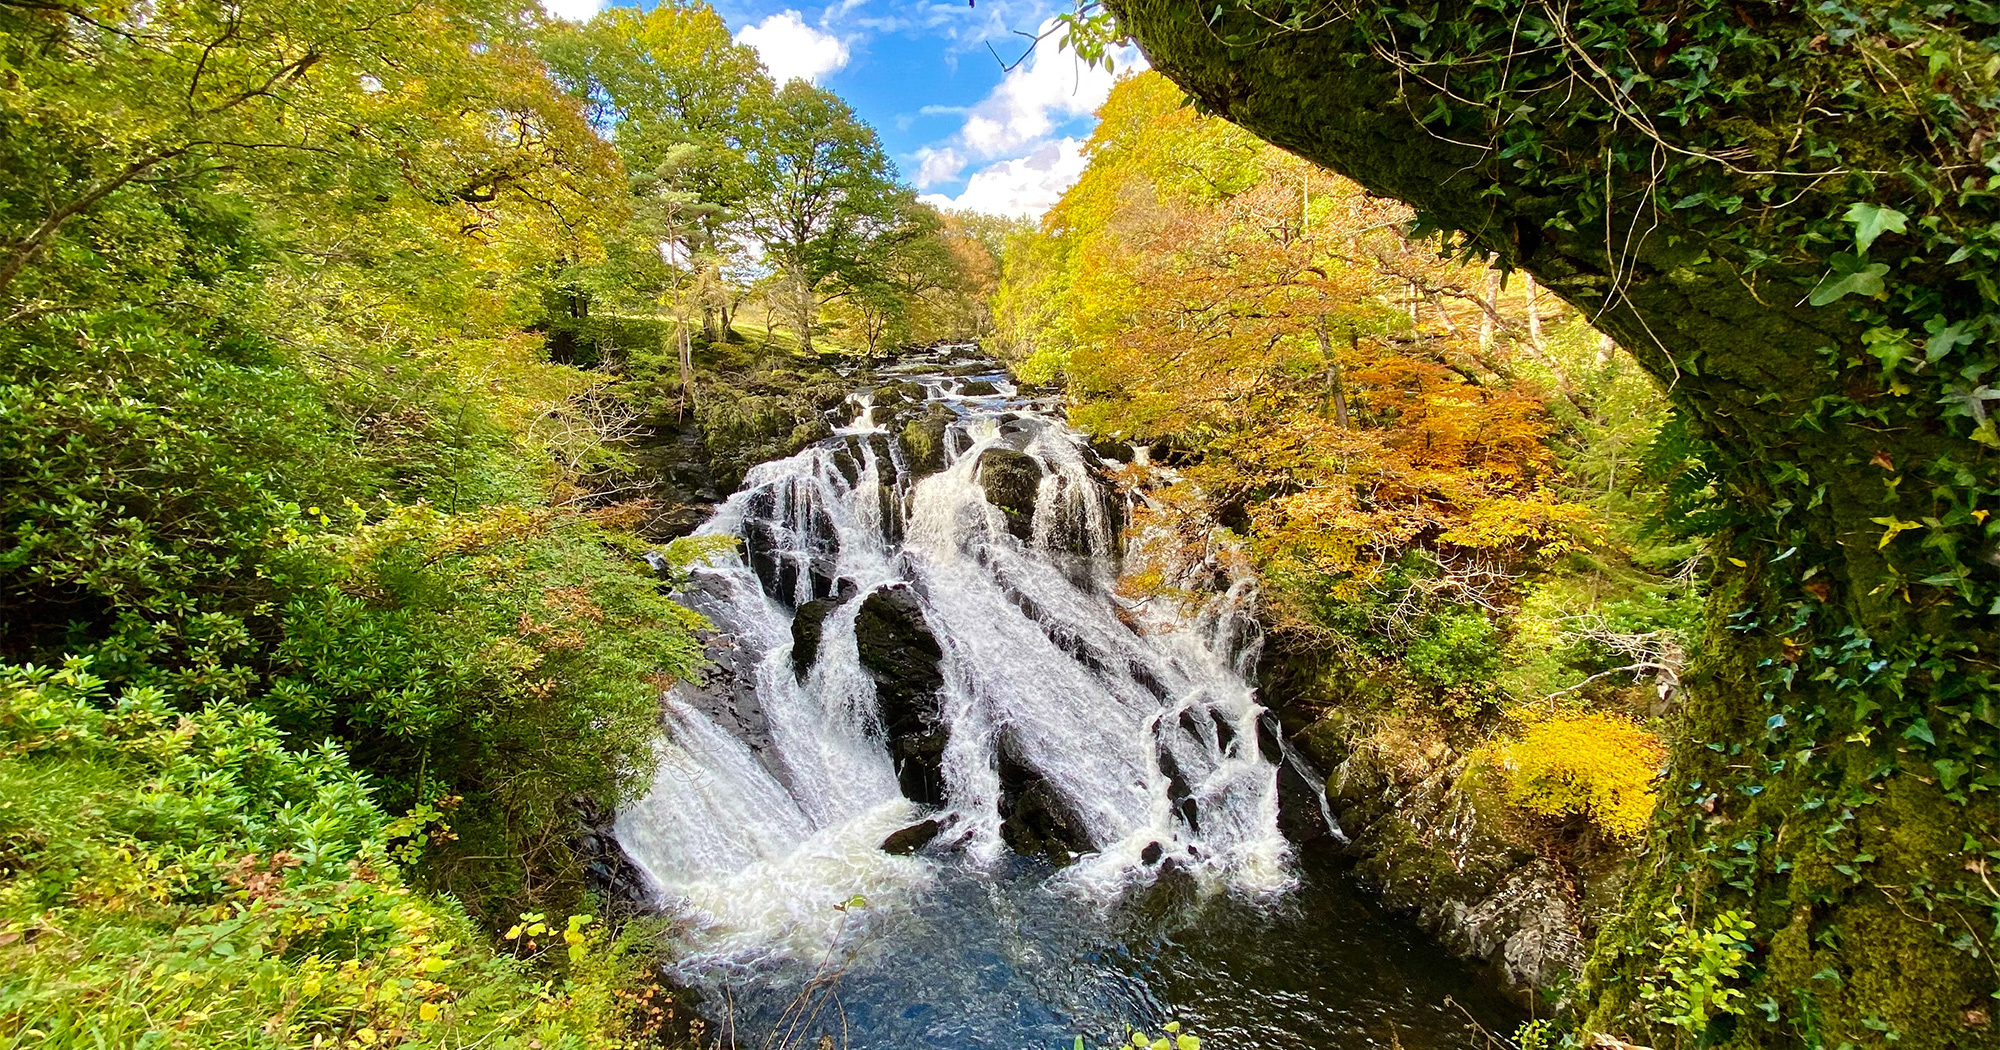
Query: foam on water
x=1111 y=702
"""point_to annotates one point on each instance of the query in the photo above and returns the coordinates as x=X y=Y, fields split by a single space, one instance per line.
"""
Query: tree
x=1216 y=293
x=1782 y=211
x=338 y=107
x=670 y=88
x=822 y=197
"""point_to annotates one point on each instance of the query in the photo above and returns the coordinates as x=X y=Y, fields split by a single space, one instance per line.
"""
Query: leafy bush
x=191 y=880
x=210 y=521
x=1689 y=985
x=1456 y=649
x=1598 y=766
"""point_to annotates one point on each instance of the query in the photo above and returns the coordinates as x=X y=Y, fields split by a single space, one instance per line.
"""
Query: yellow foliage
x=1596 y=765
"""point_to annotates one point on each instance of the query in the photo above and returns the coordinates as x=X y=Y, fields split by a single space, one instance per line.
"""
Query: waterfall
x=895 y=645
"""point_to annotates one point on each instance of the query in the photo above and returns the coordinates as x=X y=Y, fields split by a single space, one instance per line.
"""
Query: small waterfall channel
x=943 y=755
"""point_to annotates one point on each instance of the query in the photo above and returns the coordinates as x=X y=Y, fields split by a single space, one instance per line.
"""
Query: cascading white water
x=771 y=800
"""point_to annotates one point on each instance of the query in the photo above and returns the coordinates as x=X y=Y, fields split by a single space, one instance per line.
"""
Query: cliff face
x=1811 y=788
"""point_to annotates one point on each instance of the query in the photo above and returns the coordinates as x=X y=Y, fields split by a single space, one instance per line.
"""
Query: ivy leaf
x=1872 y=221
x=1944 y=338
x=1851 y=275
x=1920 y=730
x=1893 y=527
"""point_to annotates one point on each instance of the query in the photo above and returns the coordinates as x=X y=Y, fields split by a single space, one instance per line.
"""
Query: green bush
x=182 y=879
x=199 y=516
x=1455 y=650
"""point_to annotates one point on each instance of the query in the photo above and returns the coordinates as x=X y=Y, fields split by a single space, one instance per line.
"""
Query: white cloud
x=790 y=48
x=938 y=165
x=1018 y=119
x=1053 y=86
x=1026 y=186
x=573 y=10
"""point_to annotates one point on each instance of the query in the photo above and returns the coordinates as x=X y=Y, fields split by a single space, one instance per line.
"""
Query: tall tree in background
x=822 y=200
x=680 y=100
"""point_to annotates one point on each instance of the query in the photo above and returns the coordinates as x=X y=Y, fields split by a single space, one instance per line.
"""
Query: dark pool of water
x=995 y=961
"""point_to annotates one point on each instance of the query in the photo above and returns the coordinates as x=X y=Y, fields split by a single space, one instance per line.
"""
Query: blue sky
x=966 y=133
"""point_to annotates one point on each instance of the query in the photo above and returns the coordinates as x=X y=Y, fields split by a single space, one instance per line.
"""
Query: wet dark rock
x=1178 y=788
x=776 y=570
x=897 y=647
x=1035 y=820
x=1429 y=829
x=825 y=577
x=847 y=461
x=1301 y=814
x=1268 y=738
x=1112 y=449
x=923 y=440
x=607 y=870
x=807 y=631
x=1151 y=854
x=1225 y=735
x=1190 y=815
x=674 y=463
x=911 y=839
x=1011 y=480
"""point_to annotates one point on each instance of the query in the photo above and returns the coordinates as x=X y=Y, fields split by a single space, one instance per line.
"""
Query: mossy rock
x=1012 y=480
x=923 y=439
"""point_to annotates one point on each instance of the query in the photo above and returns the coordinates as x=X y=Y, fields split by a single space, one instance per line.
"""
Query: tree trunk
x=1834 y=772
x=1534 y=314
x=805 y=310
x=1336 y=389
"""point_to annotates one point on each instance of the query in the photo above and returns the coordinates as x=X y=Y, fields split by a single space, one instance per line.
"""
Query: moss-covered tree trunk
x=1695 y=175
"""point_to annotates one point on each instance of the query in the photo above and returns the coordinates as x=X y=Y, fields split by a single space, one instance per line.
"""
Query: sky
x=964 y=129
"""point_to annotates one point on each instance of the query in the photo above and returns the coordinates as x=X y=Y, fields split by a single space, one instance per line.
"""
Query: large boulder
x=923 y=440
x=1035 y=820
x=1012 y=480
x=808 y=627
x=899 y=651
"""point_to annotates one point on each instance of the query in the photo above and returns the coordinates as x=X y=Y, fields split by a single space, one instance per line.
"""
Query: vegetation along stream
x=671 y=525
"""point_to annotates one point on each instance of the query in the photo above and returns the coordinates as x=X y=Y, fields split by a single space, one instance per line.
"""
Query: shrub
x=191 y=880
x=1690 y=984
x=1598 y=766
x=1458 y=649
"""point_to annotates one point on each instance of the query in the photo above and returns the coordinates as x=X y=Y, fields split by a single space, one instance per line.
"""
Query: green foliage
x=194 y=880
x=1697 y=968
x=271 y=434
x=1455 y=649
x=1538 y=1034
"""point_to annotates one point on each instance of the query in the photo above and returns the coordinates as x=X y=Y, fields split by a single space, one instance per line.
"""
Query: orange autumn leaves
x=1345 y=391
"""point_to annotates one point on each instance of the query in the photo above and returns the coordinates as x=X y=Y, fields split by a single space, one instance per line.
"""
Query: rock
x=1011 y=480
x=1112 y=450
x=977 y=388
x=911 y=839
x=1035 y=820
x=1151 y=854
x=898 y=649
x=1302 y=813
x=807 y=626
x=606 y=869
x=1268 y=738
x=923 y=440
